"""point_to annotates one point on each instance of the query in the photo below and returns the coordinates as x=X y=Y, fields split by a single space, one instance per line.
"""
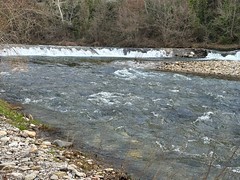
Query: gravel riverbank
x=25 y=156
x=219 y=69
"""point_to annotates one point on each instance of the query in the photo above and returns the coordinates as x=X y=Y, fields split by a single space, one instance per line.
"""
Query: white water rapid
x=108 y=52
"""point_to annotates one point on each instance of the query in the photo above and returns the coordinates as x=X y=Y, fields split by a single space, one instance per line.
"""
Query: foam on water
x=17 y=50
x=5 y=74
x=27 y=101
x=236 y=170
x=181 y=76
x=224 y=55
x=174 y=90
x=125 y=73
x=129 y=74
x=105 y=98
x=137 y=64
x=205 y=117
x=206 y=140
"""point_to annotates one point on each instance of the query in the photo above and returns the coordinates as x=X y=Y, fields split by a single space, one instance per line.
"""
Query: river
x=154 y=124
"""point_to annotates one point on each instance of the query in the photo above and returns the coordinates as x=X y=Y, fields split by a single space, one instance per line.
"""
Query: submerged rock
x=61 y=143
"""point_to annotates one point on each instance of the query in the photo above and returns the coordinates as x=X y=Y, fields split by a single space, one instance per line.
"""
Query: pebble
x=54 y=177
x=33 y=148
x=3 y=133
x=46 y=143
x=17 y=175
x=60 y=174
x=13 y=144
x=31 y=176
x=23 y=156
x=5 y=139
x=220 y=69
x=109 y=169
x=27 y=133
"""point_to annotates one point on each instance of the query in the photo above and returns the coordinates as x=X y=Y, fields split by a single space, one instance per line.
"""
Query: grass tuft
x=16 y=118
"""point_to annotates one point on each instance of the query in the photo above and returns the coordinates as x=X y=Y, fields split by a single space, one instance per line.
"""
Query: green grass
x=15 y=117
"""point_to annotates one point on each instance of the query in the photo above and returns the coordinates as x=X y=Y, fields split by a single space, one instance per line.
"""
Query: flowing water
x=156 y=125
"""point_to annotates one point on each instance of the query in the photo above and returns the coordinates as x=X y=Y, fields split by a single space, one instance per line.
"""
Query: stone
x=54 y=177
x=13 y=144
x=108 y=169
x=76 y=172
x=60 y=174
x=43 y=146
x=61 y=143
x=32 y=125
x=66 y=177
x=46 y=143
x=3 y=133
x=8 y=165
x=90 y=161
x=17 y=175
x=33 y=148
x=24 y=168
x=31 y=176
x=38 y=168
x=80 y=174
x=5 y=139
x=96 y=177
x=72 y=166
x=26 y=159
x=27 y=133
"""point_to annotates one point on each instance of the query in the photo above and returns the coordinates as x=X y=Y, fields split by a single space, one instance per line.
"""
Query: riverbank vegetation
x=130 y=23
x=12 y=115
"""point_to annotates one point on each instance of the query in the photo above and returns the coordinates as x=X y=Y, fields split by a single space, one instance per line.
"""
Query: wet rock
x=190 y=53
x=61 y=143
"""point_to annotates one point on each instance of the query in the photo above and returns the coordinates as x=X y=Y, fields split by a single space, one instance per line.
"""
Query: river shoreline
x=229 y=70
x=25 y=154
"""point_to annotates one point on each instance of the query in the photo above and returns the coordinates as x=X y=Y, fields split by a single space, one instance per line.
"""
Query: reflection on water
x=157 y=125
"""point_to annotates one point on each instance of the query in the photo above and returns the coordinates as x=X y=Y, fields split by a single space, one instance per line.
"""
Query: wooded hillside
x=132 y=23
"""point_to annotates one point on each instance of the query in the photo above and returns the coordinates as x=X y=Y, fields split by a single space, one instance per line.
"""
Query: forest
x=128 y=23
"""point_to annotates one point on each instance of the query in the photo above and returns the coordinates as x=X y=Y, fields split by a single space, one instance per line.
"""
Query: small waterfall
x=76 y=51
x=217 y=55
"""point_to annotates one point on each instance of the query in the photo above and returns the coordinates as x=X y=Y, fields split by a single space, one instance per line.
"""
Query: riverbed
x=154 y=124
